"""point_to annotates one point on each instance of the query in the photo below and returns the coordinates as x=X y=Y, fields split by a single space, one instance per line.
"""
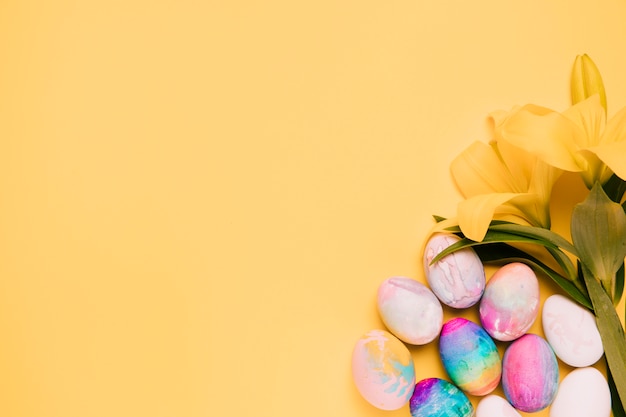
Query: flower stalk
x=507 y=185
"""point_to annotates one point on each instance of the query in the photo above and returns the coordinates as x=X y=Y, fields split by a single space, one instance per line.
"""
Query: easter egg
x=510 y=303
x=469 y=356
x=495 y=406
x=457 y=279
x=383 y=370
x=572 y=332
x=434 y=397
x=583 y=392
x=410 y=310
x=530 y=373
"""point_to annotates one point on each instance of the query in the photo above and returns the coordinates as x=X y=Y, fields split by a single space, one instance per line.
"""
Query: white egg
x=495 y=406
x=572 y=332
x=583 y=392
x=410 y=310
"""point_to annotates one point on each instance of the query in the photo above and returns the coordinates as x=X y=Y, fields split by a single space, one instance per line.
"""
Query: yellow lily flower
x=586 y=80
x=500 y=181
x=579 y=139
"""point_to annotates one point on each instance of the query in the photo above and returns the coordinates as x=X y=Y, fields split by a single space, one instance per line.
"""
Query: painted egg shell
x=530 y=373
x=410 y=310
x=572 y=332
x=469 y=356
x=510 y=303
x=434 y=397
x=458 y=279
x=383 y=370
x=583 y=392
x=495 y=406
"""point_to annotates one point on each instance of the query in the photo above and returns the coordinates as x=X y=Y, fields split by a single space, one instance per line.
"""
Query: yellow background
x=198 y=199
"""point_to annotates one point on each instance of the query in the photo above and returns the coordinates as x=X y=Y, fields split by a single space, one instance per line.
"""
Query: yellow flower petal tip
x=586 y=80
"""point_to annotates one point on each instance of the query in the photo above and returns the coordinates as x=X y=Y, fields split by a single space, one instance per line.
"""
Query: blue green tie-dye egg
x=469 y=356
x=434 y=397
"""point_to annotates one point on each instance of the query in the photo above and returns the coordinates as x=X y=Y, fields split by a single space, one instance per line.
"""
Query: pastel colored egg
x=572 y=332
x=510 y=303
x=495 y=406
x=410 y=310
x=434 y=397
x=469 y=356
x=383 y=370
x=530 y=373
x=458 y=279
x=583 y=392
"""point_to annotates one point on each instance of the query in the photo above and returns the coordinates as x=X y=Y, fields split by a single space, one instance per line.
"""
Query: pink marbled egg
x=530 y=373
x=410 y=310
x=458 y=279
x=510 y=303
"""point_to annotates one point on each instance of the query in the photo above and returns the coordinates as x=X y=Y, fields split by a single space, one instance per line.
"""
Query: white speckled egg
x=510 y=303
x=495 y=406
x=458 y=279
x=410 y=310
x=383 y=370
x=572 y=332
x=583 y=392
x=530 y=373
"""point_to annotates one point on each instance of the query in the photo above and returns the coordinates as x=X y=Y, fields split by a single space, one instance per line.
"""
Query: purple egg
x=530 y=373
x=434 y=397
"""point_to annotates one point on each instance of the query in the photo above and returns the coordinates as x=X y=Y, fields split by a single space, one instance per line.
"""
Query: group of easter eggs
x=383 y=369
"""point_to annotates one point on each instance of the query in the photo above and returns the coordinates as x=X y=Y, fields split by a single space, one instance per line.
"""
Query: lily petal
x=613 y=155
x=551 y=136
x=615 y=128
x=590 y=116
x=520 y=164
x=478 y=170
x=475 y=214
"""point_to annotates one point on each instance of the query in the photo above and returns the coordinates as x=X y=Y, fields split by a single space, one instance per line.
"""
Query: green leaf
x=616 y=404
x=568 y=267
x=615 y=188
x=490 y=237
x=500 y=231
x=619 y=285
x=438 y=219
x=611 y=332
x=536 y=233
x=599 y=234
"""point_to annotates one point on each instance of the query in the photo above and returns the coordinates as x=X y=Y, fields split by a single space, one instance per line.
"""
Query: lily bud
x=586 y=81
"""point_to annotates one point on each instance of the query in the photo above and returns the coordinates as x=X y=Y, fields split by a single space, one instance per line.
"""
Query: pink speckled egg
x=530 y=373
x=510 y=303
x=383 y=370
x=458 y=279
x=410 y=310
